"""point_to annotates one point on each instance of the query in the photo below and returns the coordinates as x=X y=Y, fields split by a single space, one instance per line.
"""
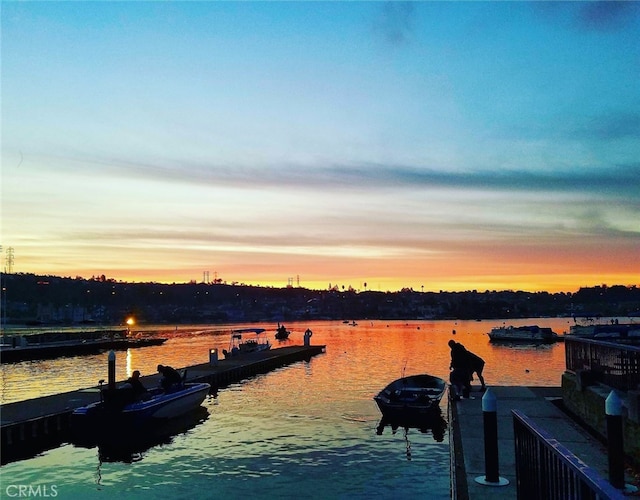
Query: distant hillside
x=27 y=298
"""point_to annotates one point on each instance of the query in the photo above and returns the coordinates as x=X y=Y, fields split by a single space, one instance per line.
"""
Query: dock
x=37 y=347
x=36 y=425
x=468 y=441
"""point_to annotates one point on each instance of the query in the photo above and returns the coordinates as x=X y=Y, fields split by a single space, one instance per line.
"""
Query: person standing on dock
x=461 y=369
x=467 y=363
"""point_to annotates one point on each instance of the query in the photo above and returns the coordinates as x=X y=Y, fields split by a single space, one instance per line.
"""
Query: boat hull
x=114 y=412
x=411 y=397
x=169 y=406
x=523 y=334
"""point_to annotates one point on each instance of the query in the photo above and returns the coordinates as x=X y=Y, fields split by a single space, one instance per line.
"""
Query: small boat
x=411 y=397
x=121 y=407
x=238 y=345
x=532 y=333
x=282 y=333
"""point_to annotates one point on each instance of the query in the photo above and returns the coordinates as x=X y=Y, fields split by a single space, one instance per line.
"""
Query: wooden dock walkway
x=467 y=439
x=32 y=426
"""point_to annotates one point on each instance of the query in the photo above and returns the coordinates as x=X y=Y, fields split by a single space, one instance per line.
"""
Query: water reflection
x=433 y=422
x=130 y=445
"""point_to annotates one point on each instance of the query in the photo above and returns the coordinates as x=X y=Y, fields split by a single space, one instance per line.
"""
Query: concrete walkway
x=467 y=438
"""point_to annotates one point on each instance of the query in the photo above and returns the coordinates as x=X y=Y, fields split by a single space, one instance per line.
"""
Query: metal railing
x=546 y=470
x=613 y=364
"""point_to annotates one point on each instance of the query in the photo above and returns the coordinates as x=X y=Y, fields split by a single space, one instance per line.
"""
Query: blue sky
x=450 y=145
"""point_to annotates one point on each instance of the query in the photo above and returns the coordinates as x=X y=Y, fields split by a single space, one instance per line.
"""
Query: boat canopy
x=248 y=330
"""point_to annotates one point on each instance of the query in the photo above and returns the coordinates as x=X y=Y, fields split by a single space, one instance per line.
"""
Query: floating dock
x=49 y=345
x=33 y=426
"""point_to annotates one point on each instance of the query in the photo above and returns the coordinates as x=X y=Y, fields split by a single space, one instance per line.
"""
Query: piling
x=491 y=459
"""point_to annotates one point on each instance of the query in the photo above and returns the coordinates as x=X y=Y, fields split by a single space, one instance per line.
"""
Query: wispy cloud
x=395 y=22
x=595 y=16
x=622 y=180
x=607 y=15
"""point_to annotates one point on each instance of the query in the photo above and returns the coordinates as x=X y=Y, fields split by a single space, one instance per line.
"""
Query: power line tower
x=9 y=261
x=205 y=277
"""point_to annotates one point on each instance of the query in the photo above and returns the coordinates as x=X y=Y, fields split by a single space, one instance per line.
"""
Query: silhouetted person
x=460 y=365
x=476 y=365
x=136 y=384
x=170 y=376
x=138 y=390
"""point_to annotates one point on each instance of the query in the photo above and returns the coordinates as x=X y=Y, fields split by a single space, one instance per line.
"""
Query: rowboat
x=410 y=397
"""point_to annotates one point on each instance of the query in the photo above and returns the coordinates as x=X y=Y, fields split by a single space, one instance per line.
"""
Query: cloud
x=606 y=16
x=395 y=23
x=619 y=181
x=615 y=126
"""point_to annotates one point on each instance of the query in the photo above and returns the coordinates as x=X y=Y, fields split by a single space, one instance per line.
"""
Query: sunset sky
x=432 y=145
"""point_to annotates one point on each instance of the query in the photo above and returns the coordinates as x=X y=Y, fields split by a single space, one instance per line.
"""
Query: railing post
x=615 y=442
x=490 y=420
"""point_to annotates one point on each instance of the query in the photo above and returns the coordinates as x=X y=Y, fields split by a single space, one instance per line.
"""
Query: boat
x=282 y=333
x=533 y=333
x=411 y=397
x=586 y=326
x=121 y=408
x=239 y=345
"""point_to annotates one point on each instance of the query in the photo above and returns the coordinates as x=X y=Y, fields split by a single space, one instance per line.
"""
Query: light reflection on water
x=308 y=429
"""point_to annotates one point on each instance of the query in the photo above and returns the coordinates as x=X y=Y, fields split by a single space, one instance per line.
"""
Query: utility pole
x=9 y=261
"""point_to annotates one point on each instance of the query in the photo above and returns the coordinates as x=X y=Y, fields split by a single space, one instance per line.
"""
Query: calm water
x=306 y=430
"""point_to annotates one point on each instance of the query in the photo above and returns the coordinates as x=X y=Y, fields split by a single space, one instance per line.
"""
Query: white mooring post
x=490 y=419
x=615 y=443
x=213 y=357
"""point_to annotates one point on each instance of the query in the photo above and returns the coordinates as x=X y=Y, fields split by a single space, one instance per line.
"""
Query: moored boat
x=240 y=345
x=587 y=327
x=533 y=333
x=411 y=397
x=282 y=333
x=123 y=408
x=131 y=405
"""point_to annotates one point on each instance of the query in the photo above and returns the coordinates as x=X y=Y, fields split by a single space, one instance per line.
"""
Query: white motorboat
x=239 y=344
x=533 y=333
x=121 y=407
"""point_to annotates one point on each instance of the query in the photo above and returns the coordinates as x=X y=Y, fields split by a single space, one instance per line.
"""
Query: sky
x=374 y=145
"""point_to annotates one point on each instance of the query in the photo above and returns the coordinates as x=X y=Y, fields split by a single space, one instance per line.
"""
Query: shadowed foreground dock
x=468 y=440
x=32 y=426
